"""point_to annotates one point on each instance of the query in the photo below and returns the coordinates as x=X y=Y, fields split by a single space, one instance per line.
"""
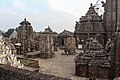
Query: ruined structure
x=25 y=37
x=94 y=63
x=46 y=43
x=67 y=42
x=89 y=26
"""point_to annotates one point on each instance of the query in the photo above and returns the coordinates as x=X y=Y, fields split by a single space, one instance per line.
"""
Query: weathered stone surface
x=112 y=16
x=71 y=45
x=10 y=73
x=25 y=37
x=67 y=42
x=46 y=43
x=35 y=54
x=89 y=26
x=112 y=24
x=117 y=55
x=62 y=38
x=94 y=62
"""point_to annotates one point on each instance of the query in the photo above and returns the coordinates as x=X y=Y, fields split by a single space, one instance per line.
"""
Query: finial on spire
x=48 y=26
x=91 y=5
x=25 y=19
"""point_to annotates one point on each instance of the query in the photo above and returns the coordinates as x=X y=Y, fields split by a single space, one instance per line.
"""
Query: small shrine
x=94 y=62
x=46 y=44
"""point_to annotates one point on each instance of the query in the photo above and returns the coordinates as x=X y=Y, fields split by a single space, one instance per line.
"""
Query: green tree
x=8 y=33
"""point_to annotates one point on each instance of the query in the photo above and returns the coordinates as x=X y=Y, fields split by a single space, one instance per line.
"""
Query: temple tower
x=25 y=33
x=89 y=26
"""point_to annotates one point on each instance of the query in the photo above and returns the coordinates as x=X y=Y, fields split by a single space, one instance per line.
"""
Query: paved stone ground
x=59 y=65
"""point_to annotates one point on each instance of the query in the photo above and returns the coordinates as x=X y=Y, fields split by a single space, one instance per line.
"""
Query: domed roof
x=65 y=33
x=48 y=30
x=25 y=22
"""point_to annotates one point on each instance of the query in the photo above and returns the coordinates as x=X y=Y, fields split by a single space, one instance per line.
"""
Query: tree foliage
x=8 y=33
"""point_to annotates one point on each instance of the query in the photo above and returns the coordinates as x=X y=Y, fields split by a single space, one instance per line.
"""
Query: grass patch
x=24 y=61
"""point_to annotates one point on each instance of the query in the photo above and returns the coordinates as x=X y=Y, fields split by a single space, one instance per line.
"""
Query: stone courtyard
x=60 y=65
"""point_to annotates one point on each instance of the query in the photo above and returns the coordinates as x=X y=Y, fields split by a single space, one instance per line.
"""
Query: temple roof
x=25 y=22
x=65 y=33
x=91 y=10
x=89 y=23
x=48 y=30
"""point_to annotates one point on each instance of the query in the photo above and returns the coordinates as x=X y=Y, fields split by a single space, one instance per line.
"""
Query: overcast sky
x=59 y=14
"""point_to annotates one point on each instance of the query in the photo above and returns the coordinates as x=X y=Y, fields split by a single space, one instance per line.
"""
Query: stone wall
x=10 y=73
x=92 y=72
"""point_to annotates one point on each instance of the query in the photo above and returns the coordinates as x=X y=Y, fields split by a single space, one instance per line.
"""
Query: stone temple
x=101 y=56
x=90 y=25
x=25 y=37
x=46 y=43
x=94 y=63
x=67 y=42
